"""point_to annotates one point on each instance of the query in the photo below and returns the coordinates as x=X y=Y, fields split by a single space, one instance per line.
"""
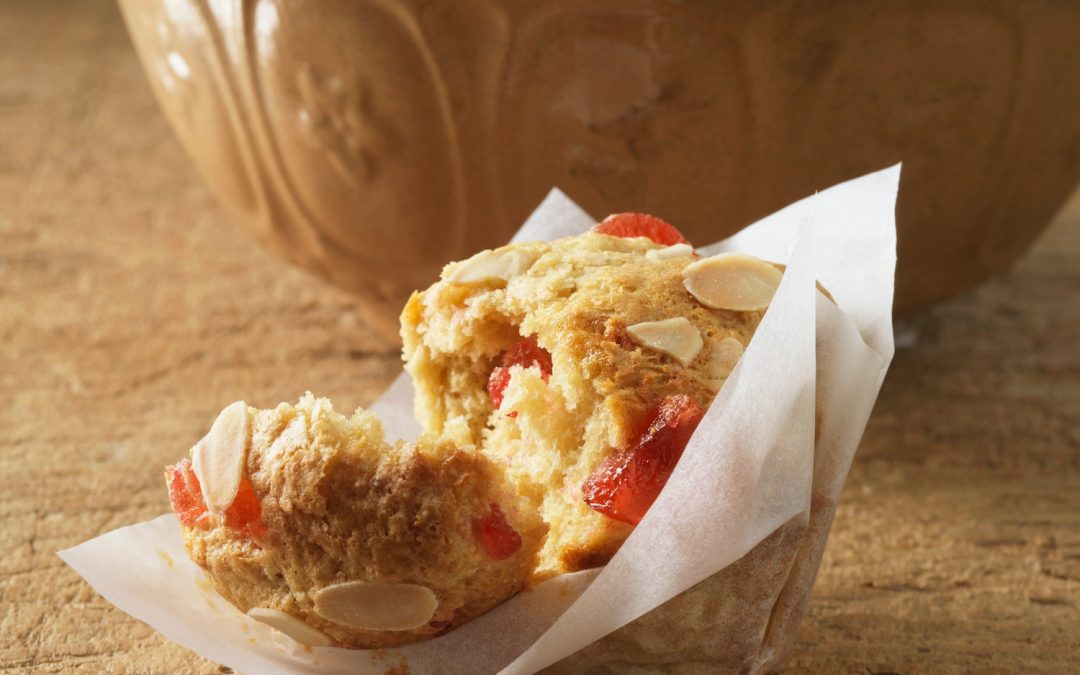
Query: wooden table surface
x=131 y=309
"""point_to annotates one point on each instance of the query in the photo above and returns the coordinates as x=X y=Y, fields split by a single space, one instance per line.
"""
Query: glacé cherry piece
x=641 y=225
x=244 y=515
x=525 y=353
x=496 y=536
x=626 y=484
x=497 y=381
x=185 y=495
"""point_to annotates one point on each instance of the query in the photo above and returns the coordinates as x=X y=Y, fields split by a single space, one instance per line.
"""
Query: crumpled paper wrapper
x=717 y=575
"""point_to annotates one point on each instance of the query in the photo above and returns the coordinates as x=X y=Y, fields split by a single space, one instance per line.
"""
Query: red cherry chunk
x=641 y=225
x=244 y=515
x=626 y=484
x=525 y=353
x=497 y=381
x=185 y=495
x=496 y=536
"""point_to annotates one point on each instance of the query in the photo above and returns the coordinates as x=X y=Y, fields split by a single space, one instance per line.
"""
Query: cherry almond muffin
x=557 y=386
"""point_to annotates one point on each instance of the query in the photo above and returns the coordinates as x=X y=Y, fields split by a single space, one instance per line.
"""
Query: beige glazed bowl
x=371 y=141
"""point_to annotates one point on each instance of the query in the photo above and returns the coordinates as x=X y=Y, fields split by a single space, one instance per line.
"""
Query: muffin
x=557 y=386
x=581 y=366
x=309 y=521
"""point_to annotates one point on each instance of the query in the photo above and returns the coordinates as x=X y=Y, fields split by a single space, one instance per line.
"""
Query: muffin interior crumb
x=576 y=301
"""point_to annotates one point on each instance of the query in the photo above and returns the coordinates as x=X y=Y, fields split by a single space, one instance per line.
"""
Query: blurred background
x=205 y=202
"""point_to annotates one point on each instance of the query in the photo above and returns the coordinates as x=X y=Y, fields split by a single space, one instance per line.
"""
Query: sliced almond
x=376 y=606
x=733 y=281
x=502 y=263
x=218 y=459
x=673 y=251
x=677 y=338
x=290 y=625
x=722 y=358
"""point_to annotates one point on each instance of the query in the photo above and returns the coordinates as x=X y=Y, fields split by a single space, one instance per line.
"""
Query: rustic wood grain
x=131 y=310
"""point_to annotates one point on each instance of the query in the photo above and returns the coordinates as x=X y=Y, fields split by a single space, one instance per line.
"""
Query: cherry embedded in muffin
x=628 y=481
x=497 y=382
x=641 y=225
x=185 y=496
x=496 y=536
x=244 y=515
x=525 y=353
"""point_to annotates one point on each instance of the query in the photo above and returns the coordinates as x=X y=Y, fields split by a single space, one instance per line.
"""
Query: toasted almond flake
x=290 y=625
x=376 y=606
x=732 y=281
x=673 y=251
x=722 y=358
x=218 y=459
x=676 y=337
x=501 y=263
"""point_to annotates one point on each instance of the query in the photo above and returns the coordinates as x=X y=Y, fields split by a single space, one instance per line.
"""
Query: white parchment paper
x=751 y=466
